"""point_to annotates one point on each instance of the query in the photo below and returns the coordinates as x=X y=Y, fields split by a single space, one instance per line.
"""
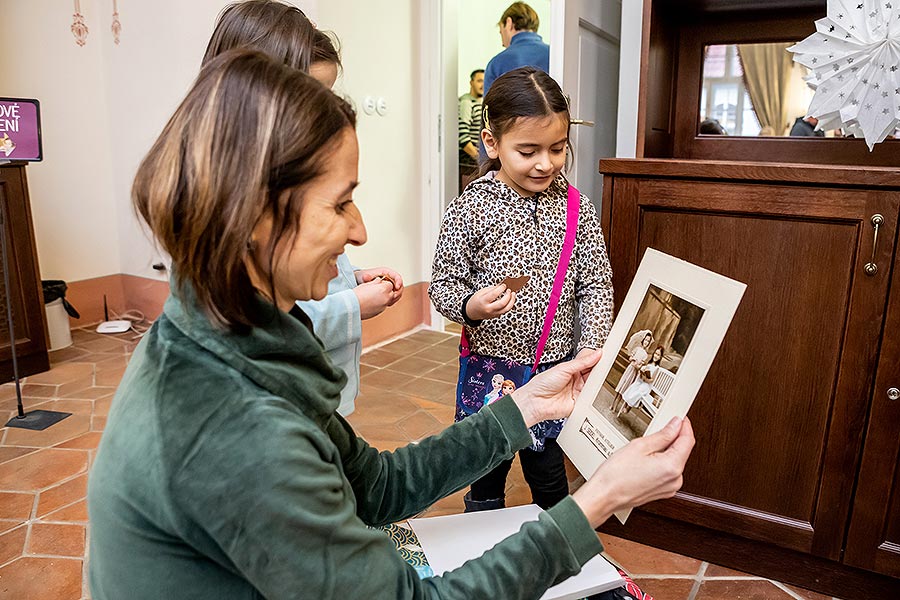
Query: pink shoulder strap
x=565 y=256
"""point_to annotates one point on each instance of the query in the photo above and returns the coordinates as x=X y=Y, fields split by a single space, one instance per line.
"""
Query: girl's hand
x=490 y=302
x=384 y=273
x=375 y=296
x=551 y=394
x=648 y=468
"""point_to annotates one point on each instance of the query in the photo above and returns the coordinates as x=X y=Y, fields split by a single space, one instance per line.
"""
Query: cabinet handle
x=871 y=268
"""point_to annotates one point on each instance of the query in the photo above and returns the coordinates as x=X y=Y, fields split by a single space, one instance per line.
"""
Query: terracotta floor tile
x=60 y=357
x=8 y=524
x=385 y=379
x=102 y=405
x=107 y=344
x=379 y=358
x=68 y=428
x=387 y=444
x=11 y=452
x=36 y=390
x=441 y=353
x=667 y=589
x=92 y=393
x=405 y=347
x=69 y=405
x=428 y=404
x=754 y=589
x=638 y=559
x=42 y=578
x=88 y=441
x=369 y=431
x=426 y=336
x=74 y=513
x=73 y=387
x=415 y=367
x=431 y=389
x=98 y=423
x=62 y=495
x=374 y=412
x=448 y=373
x=365 y=369
x=717 y=571
x=57 y=539
x=419 y=425
x=63 y=374
x=109 y=377
x=14 y=505
x=12 y=545
x=41 y=469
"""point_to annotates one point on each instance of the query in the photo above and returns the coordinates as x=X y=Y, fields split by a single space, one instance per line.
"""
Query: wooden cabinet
x=793 y=475
x=24 y=281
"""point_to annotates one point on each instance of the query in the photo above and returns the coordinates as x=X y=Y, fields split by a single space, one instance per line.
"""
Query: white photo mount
x=687 y=310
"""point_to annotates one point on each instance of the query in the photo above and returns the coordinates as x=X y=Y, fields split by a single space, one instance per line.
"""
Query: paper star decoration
x=853 y=58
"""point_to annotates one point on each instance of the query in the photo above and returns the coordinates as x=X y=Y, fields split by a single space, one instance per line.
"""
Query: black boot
x=477 y=505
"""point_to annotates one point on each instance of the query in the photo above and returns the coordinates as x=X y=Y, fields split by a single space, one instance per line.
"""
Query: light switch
x=369 y=105
x=381 y=106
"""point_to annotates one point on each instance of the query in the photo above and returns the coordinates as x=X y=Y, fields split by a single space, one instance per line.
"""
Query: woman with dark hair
x=224 y=470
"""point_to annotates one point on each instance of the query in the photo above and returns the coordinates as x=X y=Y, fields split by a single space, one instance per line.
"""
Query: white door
x=584 y=59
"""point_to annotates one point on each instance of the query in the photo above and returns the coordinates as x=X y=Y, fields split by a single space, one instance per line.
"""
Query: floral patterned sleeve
x=451 y=271
x=593 y=289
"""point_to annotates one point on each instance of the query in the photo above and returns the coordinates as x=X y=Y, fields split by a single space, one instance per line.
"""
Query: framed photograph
x=655 y=359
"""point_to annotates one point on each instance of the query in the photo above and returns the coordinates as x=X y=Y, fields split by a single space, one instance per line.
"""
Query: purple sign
x=20 y=129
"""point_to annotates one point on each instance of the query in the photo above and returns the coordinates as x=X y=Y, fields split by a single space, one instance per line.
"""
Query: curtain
x=767 y=70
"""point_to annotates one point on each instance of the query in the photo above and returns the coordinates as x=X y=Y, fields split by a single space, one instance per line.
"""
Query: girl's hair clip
x=484 y=116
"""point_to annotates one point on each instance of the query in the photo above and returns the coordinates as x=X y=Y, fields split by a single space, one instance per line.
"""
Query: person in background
x=712 y=127
x=283 y=32
x=806 y=127
x=470 y=128
x=523 y=46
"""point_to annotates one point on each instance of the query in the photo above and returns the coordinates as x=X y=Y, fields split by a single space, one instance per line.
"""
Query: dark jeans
x=544 y=471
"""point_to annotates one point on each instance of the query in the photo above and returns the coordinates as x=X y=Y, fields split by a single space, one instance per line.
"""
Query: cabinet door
x=24 y=282
x=780 y=417
x=874 y=538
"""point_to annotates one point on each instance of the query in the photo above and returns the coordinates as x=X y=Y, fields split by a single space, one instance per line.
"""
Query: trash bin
x=58 y=312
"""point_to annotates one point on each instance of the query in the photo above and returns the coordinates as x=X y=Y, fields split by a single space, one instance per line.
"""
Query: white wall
x=379 y=53
x=75 y=220
x=103 y=106
x=479 y=36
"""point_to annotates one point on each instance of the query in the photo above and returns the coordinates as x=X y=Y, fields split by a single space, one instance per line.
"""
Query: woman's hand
x=490 y=302
x=551 y=394
x=648 y=468
x=383 y=273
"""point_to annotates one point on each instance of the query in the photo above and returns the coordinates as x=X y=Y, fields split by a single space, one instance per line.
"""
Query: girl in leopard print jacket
x=512 y=222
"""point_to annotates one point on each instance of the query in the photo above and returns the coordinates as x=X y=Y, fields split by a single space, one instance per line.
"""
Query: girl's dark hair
x=280 y=30
x=521 y=93
x=248 y=136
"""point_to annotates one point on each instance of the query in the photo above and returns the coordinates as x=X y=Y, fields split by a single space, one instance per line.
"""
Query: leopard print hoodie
x=490 y=232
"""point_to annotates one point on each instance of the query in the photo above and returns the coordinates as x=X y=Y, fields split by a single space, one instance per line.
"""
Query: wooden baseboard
x=129 y=292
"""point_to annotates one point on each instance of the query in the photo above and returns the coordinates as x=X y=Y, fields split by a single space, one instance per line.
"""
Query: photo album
x=655 y=359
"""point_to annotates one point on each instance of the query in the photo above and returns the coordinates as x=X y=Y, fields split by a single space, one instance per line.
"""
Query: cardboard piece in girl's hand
x=515 y=284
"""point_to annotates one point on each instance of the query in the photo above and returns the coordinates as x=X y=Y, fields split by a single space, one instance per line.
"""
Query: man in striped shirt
x=470 y=127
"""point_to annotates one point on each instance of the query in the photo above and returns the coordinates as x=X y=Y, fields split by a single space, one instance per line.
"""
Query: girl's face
x=532 y=152
x=497 y=381
x=647 y=340
x=329 y=220
x=657 y=355
x=508 y=389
